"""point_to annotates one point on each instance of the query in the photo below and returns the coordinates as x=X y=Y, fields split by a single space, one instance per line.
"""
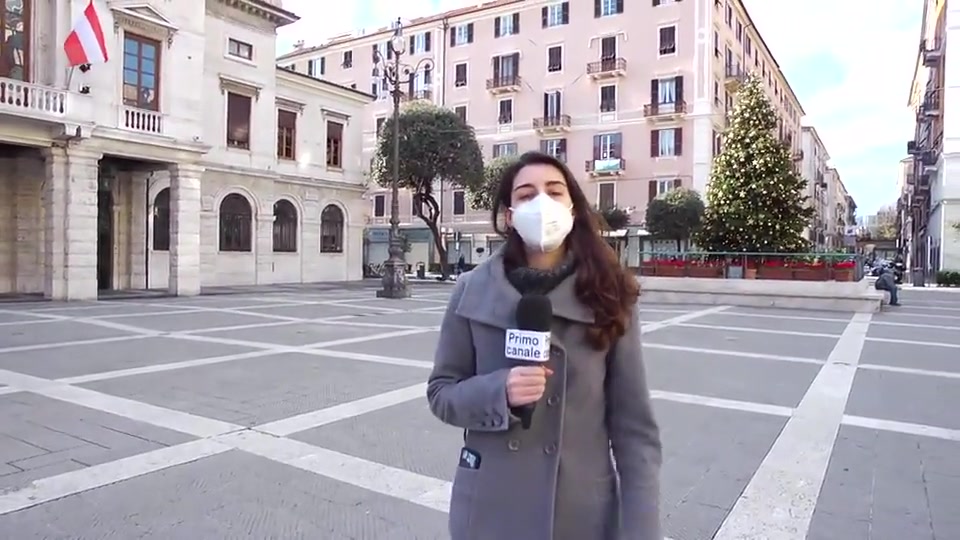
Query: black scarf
x=528 y=280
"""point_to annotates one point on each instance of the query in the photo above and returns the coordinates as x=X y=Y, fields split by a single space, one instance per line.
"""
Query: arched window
x=161 y=221
x=284 y=227
x=331 y=229
x=236 y=223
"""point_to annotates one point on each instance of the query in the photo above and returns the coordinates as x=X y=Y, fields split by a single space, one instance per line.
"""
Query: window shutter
x=597 y=10
x=678 y=81
x=651 y=190
x=426 y=39
x=619 y=6
x=654 y=92
x=496 y=27
x=413 y=42
x=656 y=3
x=563 y=146
x=544 y=16
x=374 y=53
x=453 y=36
x=515 y=58
x=389 y=50
x=496 y=69
x=559 y=103
x=677 y=183
x=543 y=146
x=373 y=89
x=427 y=75
x=470 y=33
x=516 y=23
x=546 y=104
x=616 y=145
x=678 y=140
x=596 y=147
x=565 y=8
x=655 y=143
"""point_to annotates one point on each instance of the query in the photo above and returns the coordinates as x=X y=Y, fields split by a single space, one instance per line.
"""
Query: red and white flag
x=85 y=44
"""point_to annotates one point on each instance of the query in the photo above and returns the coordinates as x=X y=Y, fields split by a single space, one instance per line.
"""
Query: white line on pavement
x=779 y=500
x=736 y=354
x=314 y=419
x=183 y=422
x=912 y=371
x=71 y=483
x=912 y=342
x=673 y=321
x=72 y=343
x=906 y=428
x=757 y=330
x=720 y=403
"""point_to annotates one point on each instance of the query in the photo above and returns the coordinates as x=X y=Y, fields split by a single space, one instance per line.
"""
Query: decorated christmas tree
x=756 y=202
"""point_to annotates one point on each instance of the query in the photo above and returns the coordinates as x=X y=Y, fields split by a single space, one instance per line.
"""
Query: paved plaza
x=299 y=413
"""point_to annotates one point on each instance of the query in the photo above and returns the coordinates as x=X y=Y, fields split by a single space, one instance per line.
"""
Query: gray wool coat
x=558 y=480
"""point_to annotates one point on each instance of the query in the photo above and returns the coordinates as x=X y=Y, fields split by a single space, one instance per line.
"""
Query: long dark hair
x=602 y=284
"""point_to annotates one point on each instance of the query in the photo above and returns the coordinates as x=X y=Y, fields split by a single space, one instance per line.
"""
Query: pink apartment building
x=632 y=94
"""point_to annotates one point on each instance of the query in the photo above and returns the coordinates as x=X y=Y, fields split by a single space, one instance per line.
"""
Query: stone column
x=139 y=183
x=70 y=207
x=185 y=229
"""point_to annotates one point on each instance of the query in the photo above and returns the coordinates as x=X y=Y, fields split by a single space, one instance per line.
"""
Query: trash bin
x=917 y=277
x=421 y=271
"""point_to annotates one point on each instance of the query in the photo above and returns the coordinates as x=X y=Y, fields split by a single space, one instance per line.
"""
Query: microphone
x=529 y=344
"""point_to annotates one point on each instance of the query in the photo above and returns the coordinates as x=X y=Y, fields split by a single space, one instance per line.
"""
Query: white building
x=813 y=168
x=187 y=160
x=931 y=202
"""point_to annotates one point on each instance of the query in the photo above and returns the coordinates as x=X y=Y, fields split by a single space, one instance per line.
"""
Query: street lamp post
x=396 y=74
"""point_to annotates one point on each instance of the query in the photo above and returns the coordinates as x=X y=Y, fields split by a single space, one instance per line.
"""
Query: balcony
x=913 y=148
x=504 y=84
x=930 y=108
x=34 y=101
x=141 y=120
x=605 y=167
x=733 y=78
x=607 y=68
x=552 y=124
x=932 y=52
x=665 y=112
x=423 y=94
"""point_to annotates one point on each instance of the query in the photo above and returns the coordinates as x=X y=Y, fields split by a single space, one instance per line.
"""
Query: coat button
x=550 y=449
x=553 y=400
x=513 y=445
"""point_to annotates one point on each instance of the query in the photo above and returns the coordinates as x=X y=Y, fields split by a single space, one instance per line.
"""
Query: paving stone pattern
x=299 y=413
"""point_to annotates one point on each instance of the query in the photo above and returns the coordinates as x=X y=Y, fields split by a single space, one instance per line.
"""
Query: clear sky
x=849 y=61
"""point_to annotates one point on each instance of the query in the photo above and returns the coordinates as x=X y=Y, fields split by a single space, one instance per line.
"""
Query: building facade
x=931 y=202
x=632 y=95
x=187 y=160
x=814 y=166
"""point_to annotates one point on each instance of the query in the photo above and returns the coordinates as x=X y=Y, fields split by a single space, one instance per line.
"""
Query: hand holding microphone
x=529 y=347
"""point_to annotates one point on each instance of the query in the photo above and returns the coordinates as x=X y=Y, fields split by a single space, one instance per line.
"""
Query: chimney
x=298 y=45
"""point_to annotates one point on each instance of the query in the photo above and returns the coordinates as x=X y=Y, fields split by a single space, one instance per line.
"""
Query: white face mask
x=542 y=222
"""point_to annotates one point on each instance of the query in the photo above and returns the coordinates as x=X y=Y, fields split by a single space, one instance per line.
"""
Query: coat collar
x=490 y=299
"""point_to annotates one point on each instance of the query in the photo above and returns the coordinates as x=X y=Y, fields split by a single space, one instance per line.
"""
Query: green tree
x=613 y=218
x=675 y=215
x=756 y=202
x=483 y=194
x=434 y=144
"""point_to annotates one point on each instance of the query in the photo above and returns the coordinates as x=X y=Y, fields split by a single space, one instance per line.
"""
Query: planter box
x=843 y=274
x=812 y=274
x=705 y=271
x=775 y=272
x=670 y=271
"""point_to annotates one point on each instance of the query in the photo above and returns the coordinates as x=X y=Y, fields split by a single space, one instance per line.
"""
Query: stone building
x=187 y=160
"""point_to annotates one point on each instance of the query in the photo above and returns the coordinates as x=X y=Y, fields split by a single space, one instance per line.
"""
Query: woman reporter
x=559 y=479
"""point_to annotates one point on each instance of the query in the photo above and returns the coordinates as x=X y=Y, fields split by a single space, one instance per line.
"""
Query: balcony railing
x=552 y=122
x=34 y=100
x=423 y=94
x=141 y=120
x=605 y=167
x=913 y=148
x=607 y=67
x=670 y=109
x=504 y=83
x=932 y=52
x=931 y=104
x=734 y=77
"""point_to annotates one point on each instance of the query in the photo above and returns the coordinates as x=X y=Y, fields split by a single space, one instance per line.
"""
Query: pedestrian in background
x=888 y=282
x=589 y=466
